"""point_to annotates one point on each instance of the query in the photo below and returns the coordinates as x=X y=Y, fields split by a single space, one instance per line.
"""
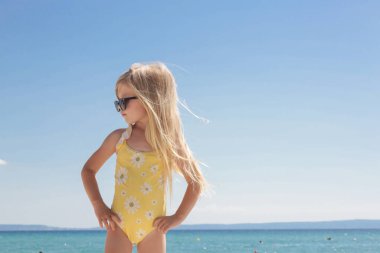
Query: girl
x=147 y=152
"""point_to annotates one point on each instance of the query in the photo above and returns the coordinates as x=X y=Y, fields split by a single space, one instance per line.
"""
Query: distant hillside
x=343 y=224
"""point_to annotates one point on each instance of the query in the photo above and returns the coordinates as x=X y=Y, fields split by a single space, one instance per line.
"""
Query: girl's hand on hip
x=164 y=223
x=106 y=216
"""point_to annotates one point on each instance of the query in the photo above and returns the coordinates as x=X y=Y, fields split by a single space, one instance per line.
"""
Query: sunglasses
x=122 y=103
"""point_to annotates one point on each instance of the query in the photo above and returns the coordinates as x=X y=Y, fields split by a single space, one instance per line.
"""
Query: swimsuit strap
x=127 y=132
x=125 y=135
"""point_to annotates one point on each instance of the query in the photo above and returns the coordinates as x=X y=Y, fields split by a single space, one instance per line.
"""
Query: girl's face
x=135 y=111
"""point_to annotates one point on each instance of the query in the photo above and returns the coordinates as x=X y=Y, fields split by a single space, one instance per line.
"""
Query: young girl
x=147 y=152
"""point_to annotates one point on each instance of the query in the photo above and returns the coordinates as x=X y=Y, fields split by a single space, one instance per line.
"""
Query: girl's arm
x=164 y=223
x=193 y=191
x=95 y=162
x=189 y=200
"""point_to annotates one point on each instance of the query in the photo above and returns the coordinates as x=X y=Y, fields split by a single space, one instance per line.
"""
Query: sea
x=189 y=241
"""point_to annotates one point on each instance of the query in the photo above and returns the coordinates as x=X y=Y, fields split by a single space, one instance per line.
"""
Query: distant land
x=341 y=224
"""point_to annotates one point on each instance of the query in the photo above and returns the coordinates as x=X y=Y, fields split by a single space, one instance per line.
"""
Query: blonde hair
x=155 y=86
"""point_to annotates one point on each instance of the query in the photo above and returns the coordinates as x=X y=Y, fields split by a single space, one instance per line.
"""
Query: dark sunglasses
x=122 y=103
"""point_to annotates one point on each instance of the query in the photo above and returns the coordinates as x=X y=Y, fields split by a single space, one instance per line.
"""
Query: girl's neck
x=139 y=127
x=141 y=124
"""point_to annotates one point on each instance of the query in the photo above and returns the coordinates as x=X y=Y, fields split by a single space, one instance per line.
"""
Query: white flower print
x=123 y=193
x=161 y=182
x=154 y=202
x=138 y=221
x=132 y=204
x=154 y=169
x=146 y=188
x=143 y=173
x=140 y=233
x=122 y=175
x=149 y=214
x=138 y=159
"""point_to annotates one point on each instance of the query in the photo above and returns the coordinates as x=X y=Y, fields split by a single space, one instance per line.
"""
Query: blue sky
x=290 y=89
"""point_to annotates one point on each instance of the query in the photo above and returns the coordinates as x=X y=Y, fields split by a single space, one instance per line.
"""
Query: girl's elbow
x=195 y=186
x=87 y=171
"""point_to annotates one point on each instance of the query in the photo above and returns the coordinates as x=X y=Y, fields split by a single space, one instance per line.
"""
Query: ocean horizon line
x=328 y=224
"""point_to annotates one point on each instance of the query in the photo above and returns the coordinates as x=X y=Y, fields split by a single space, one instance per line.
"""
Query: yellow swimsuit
x=139 y=189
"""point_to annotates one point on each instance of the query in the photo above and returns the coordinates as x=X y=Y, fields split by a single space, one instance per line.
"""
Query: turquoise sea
x=218 y=241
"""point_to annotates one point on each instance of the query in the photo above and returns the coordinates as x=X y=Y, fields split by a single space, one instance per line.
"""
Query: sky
x=289 y=88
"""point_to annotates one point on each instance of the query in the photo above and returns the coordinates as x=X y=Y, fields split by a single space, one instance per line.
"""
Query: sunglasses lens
x=122 y=104
x=117 y=106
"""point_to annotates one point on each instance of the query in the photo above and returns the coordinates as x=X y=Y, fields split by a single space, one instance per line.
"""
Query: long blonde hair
x=155 y=86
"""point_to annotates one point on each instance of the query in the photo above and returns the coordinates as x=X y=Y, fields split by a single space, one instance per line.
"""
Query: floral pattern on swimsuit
x=139 y=189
